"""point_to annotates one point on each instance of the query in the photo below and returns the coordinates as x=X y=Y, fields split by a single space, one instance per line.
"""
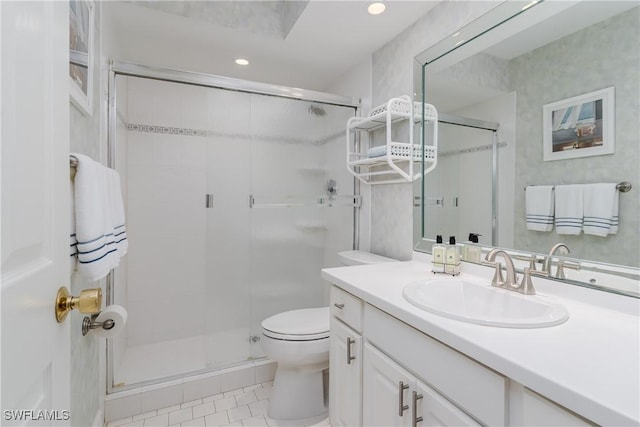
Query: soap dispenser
x=471 y=252
x=452 y=262
x=439 y=254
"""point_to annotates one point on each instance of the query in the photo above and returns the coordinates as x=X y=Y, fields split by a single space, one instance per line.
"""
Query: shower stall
x=236 y=196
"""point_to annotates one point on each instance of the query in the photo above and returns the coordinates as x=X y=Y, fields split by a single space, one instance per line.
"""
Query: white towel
x=539 y=206
x=600 y=209
x=569 y=209
x=99 y=219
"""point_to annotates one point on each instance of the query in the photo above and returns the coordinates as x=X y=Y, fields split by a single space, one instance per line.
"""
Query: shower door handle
x=349 y=356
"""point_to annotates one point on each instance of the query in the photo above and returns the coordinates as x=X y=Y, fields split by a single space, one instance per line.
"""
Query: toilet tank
x=361 y=258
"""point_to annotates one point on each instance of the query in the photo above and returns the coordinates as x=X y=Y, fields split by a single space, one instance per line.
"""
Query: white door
x=34 y=211
x=387 y=390
x=345 y=382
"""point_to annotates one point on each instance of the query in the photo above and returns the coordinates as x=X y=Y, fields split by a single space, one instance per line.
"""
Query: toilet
x=298 y=340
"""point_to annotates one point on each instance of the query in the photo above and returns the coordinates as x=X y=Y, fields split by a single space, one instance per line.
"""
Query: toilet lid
x=304 y=324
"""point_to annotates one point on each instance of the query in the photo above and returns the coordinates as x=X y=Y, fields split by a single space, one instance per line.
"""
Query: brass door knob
x=89 y=302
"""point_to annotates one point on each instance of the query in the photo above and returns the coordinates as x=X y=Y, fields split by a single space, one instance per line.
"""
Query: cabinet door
x=435 y=410
x=387 y=390
x=345 y=376
x=528 y=408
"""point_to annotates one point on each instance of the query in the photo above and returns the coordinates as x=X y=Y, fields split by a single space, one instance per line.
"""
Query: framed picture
x=81 y=16
x=580 y=126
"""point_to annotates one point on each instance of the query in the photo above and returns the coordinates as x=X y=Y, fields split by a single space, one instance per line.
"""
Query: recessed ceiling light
x=242 y=61
x=376 y=8
x=459 y=43
x=455 y=34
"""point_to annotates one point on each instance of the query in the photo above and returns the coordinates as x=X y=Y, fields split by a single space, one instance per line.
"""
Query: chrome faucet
x=547 y=262
x=498 y=281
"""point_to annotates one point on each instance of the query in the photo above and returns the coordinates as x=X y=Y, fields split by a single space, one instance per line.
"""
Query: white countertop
x=590 y=364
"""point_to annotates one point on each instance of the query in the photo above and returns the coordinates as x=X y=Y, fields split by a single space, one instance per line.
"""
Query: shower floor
x=178 y=357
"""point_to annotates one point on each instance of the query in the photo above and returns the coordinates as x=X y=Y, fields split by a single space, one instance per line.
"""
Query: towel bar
x=623 y=187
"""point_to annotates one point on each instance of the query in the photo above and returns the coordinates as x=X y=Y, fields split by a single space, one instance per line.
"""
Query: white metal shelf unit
x=400 y=158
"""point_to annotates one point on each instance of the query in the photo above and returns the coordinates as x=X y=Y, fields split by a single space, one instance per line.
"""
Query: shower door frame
x=130 y=69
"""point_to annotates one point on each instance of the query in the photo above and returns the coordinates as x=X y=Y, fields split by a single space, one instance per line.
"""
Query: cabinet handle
x=340 y=306
x=401 y=406
x=416 y=418
x=349 y=356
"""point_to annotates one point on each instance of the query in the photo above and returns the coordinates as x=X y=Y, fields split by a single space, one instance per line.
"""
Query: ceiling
x=328 y=38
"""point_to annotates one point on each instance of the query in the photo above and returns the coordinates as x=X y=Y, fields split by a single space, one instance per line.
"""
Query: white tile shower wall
x=391 y=211
x=167 y=179
x=272 y=148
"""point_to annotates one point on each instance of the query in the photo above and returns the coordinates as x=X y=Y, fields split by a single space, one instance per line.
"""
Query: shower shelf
x=399 y=160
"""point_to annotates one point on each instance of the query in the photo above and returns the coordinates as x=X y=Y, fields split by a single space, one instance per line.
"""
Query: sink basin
x=480 y=303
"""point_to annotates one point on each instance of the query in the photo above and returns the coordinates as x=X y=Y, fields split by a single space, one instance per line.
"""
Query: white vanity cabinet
x=345 y=359
x=384 y=372
x=394 y=397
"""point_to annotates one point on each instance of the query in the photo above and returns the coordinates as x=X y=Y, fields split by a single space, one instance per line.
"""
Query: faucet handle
x=498 y=279
x=526 y=286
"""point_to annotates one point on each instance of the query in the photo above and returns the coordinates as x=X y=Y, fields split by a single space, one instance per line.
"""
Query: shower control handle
x=349 y=356
x=340 y=306
x=401 y=406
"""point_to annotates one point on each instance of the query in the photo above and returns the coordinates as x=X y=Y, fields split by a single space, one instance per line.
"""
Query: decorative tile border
x=134 y=127
x=166 y=130
x=476 y=149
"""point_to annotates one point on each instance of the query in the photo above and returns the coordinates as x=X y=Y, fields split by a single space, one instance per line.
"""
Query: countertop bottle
x=439 y=254
x=471 y=251
x=452 y=261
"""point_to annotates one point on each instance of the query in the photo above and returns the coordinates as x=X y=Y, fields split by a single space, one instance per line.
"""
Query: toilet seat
x=307 y=324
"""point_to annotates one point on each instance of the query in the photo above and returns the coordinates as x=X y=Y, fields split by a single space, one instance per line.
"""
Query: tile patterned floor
x=243 y=407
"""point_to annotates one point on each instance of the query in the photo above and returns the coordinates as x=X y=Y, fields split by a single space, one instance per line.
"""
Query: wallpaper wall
x=572 y=67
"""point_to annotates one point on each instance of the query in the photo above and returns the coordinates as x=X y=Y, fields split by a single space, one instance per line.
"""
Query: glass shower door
x=228 y=303
x=297 y=165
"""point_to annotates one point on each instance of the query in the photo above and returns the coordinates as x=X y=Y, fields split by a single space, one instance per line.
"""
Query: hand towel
x=569 y=208
x=96 y=214
x=600 y=209
x=539 y=206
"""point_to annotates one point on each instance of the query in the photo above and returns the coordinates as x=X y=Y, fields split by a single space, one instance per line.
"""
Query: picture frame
x=81 y=55
x=579 y=126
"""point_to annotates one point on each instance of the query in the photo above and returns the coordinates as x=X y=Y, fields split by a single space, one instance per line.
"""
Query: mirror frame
x=498 y=23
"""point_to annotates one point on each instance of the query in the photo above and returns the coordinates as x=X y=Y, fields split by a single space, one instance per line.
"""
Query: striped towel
x=539 y=207
x=601 y=209
x=569 y=209
x=99 y=236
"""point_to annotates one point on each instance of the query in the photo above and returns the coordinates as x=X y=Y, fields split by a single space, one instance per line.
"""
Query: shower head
x=316 y=110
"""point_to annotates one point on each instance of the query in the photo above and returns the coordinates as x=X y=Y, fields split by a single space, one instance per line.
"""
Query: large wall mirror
x=491 y=81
